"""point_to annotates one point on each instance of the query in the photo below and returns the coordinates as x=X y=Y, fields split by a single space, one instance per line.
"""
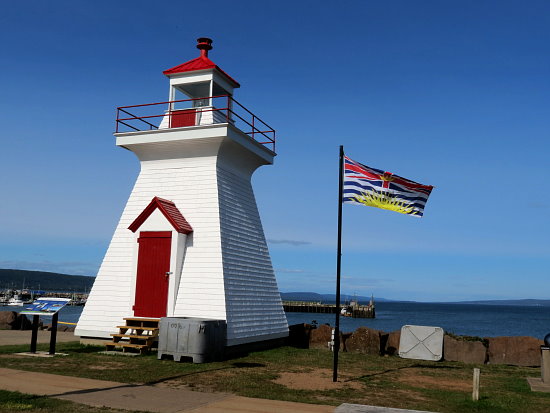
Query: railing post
x=227 y=109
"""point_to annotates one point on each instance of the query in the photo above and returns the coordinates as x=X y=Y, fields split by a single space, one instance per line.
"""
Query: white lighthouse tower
x=190 y=241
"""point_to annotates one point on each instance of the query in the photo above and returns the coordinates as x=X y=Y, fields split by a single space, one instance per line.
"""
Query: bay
x=462 y=319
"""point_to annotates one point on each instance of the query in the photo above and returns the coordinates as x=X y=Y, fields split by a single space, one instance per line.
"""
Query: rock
x=298 y=335
x=365 y=341
x=11 y=320
x=517 y=351
x=472 y=352
x=8 y=320
x=344 y=338
x=320 y=337
x=392 y=344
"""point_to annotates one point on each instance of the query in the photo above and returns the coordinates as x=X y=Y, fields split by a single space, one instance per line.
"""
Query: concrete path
x=13 y=337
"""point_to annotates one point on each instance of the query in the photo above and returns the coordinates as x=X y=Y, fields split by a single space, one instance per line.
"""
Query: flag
x=376 y=188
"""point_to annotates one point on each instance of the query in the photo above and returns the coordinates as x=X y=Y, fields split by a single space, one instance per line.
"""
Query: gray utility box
x=199 y=338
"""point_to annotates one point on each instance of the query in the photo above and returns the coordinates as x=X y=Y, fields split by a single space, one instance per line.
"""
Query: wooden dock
x=355 y=311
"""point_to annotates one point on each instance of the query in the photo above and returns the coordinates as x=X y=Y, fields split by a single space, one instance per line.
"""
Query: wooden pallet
x=138 y=335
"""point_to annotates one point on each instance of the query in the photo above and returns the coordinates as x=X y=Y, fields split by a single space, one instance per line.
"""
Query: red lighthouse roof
x=201 y=63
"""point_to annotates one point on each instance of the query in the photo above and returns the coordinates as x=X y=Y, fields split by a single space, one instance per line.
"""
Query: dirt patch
x=107 y=366
x=416 y=379
x=316 y=379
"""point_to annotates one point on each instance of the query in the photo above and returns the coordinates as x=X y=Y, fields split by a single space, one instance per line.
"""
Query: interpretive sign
x=47 y=306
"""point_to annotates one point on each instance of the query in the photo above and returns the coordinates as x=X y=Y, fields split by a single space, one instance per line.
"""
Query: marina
x=20 y=298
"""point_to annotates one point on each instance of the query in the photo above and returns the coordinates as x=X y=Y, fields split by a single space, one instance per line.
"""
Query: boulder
x=299 y=334
x=465 y=351
x=365 y=340
x=517 y=351
x=8 y=320
x=392 y=343
x=320 y=337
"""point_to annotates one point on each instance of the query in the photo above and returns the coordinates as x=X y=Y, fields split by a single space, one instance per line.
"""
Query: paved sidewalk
x=13 y=337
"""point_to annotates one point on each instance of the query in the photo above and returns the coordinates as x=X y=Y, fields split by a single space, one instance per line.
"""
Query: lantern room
x=196 y=89
x=200 y=93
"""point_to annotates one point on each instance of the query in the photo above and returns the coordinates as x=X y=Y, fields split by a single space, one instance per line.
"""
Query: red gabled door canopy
x=169 y=210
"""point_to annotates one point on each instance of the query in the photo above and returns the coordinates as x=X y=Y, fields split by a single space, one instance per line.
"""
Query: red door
x=181 y=118
x=152 y=278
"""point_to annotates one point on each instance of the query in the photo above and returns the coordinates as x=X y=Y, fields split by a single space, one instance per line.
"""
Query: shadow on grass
x=236 y=365
x=412 y=366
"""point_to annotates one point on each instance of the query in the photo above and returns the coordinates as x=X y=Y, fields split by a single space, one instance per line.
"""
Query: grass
x=14 y=402
x=383 y=381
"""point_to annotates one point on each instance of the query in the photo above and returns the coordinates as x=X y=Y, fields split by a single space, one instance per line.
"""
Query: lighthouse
x=190 y=242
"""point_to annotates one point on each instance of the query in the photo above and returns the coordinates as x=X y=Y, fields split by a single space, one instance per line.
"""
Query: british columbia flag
x=373 y=187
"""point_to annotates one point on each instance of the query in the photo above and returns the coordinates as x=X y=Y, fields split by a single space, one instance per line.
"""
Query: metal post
x=34 y=335
x=228 y=108
x=53 y=336
x=545 y=364
x=338 y=266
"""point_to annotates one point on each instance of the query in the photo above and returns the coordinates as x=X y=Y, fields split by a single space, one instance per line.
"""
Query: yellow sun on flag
x=385 y=200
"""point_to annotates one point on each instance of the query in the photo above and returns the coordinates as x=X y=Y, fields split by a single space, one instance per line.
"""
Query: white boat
x=16 y=301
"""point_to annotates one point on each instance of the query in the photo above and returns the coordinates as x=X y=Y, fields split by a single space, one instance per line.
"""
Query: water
x=462 y=319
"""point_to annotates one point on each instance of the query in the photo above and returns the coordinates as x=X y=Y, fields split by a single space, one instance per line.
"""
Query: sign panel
x=46 y=306
x=421 y=343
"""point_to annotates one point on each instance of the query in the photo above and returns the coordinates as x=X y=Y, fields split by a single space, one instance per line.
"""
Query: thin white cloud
x=295 y=243
x=289 y=270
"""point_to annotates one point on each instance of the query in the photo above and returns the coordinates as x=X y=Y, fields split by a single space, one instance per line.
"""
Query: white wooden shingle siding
x=226 y=271
x=253 y=301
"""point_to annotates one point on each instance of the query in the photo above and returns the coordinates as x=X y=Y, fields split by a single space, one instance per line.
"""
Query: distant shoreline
x=329 y=299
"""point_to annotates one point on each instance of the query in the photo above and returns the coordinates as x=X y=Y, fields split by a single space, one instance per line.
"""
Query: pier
x=347 y=310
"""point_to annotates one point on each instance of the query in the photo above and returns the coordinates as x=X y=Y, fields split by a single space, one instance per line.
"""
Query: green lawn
x=293 y=374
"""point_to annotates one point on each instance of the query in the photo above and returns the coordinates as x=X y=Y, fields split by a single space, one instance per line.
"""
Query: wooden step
x=138 y=328
x=125 y=344
x=131 y=335
x=136 y=336
x=156 y=320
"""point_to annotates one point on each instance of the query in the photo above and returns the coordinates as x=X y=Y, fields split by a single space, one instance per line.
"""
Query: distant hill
x=330 y=299
x=529 y=302
x=326 y=298
x=47 y=281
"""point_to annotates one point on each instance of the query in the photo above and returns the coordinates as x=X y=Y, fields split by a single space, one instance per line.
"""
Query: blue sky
x=453 y=94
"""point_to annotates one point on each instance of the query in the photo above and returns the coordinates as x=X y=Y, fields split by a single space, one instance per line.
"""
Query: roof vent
x=204 y=44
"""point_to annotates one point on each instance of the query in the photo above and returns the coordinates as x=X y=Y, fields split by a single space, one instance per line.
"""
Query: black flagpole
x=338 y=265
